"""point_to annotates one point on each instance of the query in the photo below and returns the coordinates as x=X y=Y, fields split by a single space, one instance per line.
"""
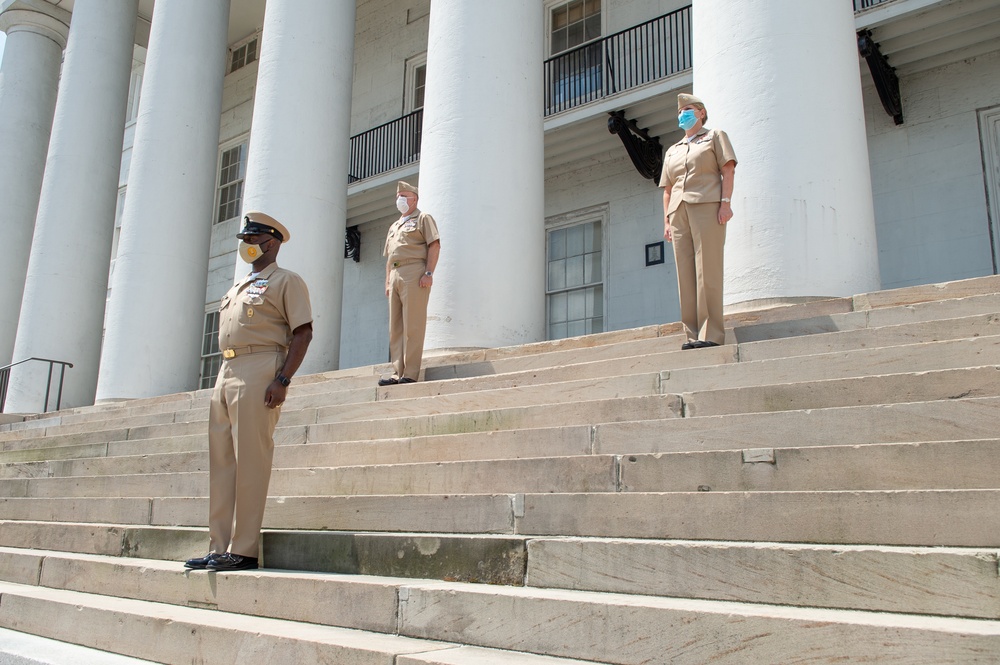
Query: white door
x=989 y=132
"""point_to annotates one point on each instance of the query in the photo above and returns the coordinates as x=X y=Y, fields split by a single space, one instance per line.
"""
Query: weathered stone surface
x=106 y=511
x=948 y=420
x=948 y=384
x=60 y=452
x=584 y=412
x=131 y=464
x=183 y=634
x=633 y=630
x=64 y=537
x=928 y=292
x=559 y=474
x=931 y=465
x=476 y=513
x=939 y=309
x=170 y=444
x=19 y=567
x=480 y=656
x=477 y=559
x=859 y=362
x=956 y=518
x=500 y=398
x=981 y=325
x=501 y=444
x=23 y=649
x=937 y=581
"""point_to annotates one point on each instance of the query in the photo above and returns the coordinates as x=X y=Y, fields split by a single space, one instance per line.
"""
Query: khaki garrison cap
x=406 y=187
x=684 y=99
x=259 y=222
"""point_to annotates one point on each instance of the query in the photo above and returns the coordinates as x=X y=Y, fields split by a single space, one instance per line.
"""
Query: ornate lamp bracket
x=644 y=150
x=352 y=244
x=884 y=75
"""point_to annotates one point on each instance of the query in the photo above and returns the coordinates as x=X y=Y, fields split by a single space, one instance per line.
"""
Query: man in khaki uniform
x=265 y=326
x=697 y=182
x=412 y=247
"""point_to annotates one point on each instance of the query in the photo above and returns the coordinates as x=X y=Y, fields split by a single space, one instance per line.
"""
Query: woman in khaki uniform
x=697 y=182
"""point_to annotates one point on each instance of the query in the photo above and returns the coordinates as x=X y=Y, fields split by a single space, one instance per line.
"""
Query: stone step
x=919 y=357
x=946 y=518
x=928 y=580
x=871 y=318
x=937 y=465
x=522 y=417
x=630 y=630
x=429 y=610
x=23 y=649
x=887 y=389
x=170 y=633
x=942 y=420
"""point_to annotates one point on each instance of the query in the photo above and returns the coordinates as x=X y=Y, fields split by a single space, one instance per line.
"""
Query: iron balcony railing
x=5 y=380
x=386 y=147
x=865 y=4
x=622 y=61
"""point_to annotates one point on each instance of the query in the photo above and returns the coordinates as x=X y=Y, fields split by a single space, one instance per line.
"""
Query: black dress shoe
x=201 y=563
x=229 y=562
x=406 y=380
x=703 y=344
x=688 y=345
x=388 y=382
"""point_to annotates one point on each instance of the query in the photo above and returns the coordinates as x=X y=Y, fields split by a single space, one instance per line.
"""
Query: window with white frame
x=573 y=23
x=211 y=356
x=416 y=81
x=232 y=171
x=243 y=55
x=575 y=280
x=578 y=74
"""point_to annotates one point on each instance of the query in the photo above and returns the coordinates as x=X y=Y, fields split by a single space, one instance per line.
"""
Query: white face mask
x=250 y=253
x=402 y=204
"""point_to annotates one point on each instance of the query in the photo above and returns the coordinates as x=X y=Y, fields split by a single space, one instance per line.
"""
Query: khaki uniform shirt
x=693 y=169
x=408 y=238
x=264 y=309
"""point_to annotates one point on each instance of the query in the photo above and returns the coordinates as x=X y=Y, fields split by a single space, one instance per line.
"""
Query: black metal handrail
x=865 y=4
x=624 y=60
x=386 y=147
x=5 y=379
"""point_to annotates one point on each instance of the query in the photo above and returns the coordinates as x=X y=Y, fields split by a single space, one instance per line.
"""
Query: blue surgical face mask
x=687 y=119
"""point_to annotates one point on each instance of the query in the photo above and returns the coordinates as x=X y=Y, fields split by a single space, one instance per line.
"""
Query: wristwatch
x=429 y=273
x=726 y=200
x=283 y=380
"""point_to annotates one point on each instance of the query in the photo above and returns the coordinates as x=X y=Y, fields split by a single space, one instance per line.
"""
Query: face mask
x=402 y=204
x=687 y=119
x=250 y=253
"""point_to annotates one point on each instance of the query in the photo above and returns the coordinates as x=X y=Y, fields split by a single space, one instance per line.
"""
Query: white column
x=299 y=147
x=154 y=322
x=781 y=77
x=67 y=278
x=36 y=34
x=482 y=172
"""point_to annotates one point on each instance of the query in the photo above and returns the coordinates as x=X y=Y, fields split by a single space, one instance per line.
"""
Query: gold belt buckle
x=228 y=353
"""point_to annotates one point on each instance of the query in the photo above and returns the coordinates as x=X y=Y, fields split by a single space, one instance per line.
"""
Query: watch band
x=429 y=273
x=283 y=380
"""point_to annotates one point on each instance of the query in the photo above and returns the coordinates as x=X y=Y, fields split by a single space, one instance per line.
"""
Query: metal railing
x=865 y=4
x=643 y=53
x=5 y=380
x=386 y=147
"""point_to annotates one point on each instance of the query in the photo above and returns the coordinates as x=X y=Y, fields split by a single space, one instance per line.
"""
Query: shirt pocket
x=225 y=303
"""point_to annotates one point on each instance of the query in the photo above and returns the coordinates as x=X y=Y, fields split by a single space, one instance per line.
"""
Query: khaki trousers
x=407 y=319
x=698 y=241
x=240 y=450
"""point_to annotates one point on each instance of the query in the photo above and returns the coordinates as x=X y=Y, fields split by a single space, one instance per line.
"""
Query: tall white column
x=482 y=172
x=781 y=77
x=36 y=34
x=67 y=278
x=299 y=147
x=154 y=322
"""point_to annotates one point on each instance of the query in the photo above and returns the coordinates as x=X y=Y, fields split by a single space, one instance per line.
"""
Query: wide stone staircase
x=823 y=489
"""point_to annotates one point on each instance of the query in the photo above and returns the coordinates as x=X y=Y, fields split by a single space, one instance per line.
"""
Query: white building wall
x=388 y=33
x=927 y=175
x=364 y=333
x=635 y=294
